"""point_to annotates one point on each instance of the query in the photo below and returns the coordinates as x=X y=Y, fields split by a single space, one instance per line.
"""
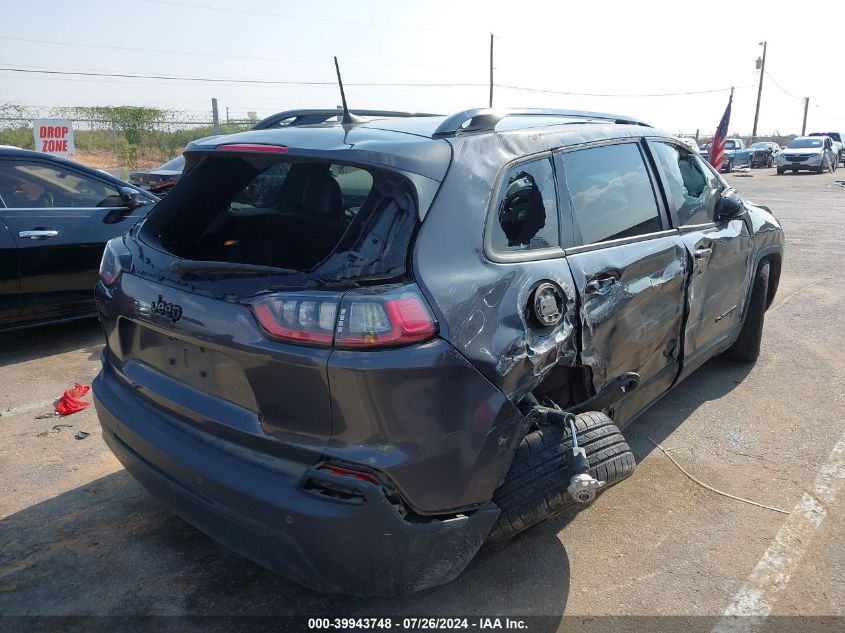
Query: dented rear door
x=629 y=270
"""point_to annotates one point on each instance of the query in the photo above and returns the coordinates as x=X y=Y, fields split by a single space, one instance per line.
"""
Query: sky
x=599 y=53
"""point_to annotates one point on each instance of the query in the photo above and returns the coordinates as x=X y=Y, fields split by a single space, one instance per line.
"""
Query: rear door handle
x=38 y=234
x=599 y=284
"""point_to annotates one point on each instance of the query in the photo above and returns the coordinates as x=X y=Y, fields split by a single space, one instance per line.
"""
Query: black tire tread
x=746 y=348
x=535 y=486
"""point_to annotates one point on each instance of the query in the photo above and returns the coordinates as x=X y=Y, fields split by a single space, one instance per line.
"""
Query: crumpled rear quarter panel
x=481 y=304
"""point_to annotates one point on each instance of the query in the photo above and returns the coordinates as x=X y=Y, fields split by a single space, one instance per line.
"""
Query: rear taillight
x=389 y=320
x=164 y=184
x=360 y=319
x=116 y=259
x=298 y=317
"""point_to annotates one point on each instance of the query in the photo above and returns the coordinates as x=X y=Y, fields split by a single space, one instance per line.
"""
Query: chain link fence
x=117 y=139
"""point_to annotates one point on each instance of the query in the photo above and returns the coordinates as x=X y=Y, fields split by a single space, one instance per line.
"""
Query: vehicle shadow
x=715 y=379
x=109 y=548
x=37 y=342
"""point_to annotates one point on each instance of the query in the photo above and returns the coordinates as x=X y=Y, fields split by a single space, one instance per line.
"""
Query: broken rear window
x=526 y=213
x=332 y=220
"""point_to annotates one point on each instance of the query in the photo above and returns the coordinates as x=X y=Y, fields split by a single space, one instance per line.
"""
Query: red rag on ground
x=70 y=402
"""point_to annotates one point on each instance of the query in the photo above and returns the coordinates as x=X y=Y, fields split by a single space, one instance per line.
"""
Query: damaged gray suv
x=359 y=351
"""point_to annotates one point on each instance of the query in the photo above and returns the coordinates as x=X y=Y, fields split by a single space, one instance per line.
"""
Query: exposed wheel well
x=774 y=277
x=565 y=386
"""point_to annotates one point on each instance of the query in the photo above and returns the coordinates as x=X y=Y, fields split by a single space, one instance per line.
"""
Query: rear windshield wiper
x=227 y=269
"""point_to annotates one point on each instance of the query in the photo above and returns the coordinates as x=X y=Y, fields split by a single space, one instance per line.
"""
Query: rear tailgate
x=206 y=361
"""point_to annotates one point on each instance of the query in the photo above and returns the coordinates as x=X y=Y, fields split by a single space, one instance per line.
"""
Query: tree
x=131 y=122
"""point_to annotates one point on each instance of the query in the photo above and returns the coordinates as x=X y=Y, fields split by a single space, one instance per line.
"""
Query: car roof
x=424 y=144
x=7 y=151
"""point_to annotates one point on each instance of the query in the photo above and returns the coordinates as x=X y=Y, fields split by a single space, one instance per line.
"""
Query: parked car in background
x=313 y=117
x=813 y=153
x=161 y=179
x=55 y=219
x=735 y=154
x=690 y=142
x=838 y=139
x=764 y=154
x=309 y=358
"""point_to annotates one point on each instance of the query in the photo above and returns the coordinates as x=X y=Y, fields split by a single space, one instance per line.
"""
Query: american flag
x=717 y=146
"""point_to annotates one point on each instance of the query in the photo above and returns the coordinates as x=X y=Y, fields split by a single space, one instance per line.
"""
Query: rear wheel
x=747 y=345
x=535 y=486
x=780 y=171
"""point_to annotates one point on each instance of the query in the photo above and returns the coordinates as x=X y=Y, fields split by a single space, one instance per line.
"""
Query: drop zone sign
x=54 y=136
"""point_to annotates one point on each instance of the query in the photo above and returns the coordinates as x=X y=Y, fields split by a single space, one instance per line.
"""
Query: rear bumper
x=257 y=505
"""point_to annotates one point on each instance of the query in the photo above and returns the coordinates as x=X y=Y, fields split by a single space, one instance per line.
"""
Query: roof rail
x=485 y=119
x=312 y=117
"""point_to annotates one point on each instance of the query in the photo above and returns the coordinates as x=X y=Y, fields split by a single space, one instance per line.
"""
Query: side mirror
x=129 y=197
x=730 y=205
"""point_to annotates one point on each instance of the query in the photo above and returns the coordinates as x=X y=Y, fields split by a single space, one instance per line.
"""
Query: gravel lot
x=79 y=536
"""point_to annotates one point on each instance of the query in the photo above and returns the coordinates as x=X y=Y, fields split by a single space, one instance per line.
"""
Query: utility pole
x=804 y=124
x=227 y=115
x=491 y=70
x=215 y=118
x=759 y=92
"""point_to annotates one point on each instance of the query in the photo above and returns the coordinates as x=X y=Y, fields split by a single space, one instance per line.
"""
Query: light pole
x=761 y=63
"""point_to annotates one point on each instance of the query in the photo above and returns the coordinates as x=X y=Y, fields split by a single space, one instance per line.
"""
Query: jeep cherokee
x=358 y=352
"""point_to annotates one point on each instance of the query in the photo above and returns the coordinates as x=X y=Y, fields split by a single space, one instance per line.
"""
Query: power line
x=593 y=94
x=80 y=73
x=782 y=89
x=202 y=54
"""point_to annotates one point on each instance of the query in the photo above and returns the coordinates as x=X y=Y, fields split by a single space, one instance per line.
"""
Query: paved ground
x=79 y=536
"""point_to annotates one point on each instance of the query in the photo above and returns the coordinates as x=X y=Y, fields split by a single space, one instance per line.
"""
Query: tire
x=730 y=167
x=535 y=486
x=780 y=171
x=746 y=348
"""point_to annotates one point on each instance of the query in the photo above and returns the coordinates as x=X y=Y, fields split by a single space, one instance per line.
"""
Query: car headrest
x=322 y=198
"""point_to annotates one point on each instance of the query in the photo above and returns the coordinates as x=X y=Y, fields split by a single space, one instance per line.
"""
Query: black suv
x=358 y=352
